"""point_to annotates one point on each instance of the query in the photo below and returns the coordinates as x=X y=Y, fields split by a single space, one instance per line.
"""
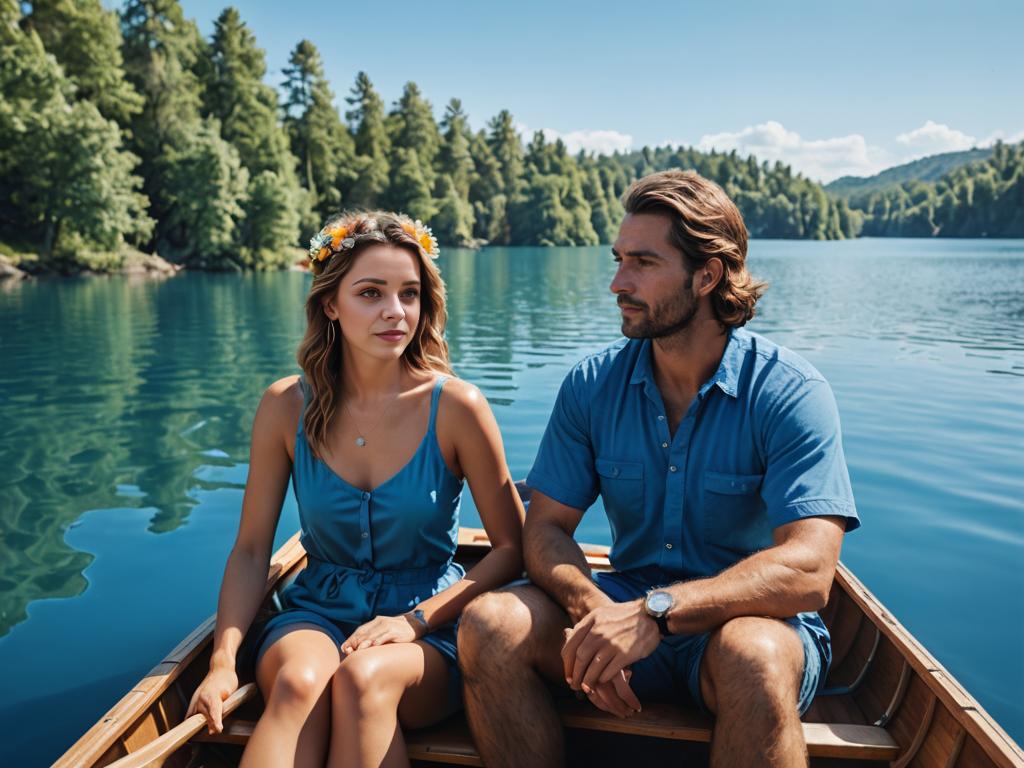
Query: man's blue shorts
x=672 y=672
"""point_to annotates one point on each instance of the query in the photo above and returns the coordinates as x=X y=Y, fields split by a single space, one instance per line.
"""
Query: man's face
x=654 y=289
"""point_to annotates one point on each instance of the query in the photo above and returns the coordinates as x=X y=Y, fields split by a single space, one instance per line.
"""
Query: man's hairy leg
x=750 y=679
x=509 y=641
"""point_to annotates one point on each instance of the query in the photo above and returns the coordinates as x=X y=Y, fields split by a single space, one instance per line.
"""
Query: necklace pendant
x=360 y=441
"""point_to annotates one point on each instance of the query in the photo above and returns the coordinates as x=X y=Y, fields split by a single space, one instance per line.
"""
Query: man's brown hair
x=705 y=224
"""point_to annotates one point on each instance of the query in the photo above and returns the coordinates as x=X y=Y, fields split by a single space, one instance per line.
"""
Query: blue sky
x=833 y=88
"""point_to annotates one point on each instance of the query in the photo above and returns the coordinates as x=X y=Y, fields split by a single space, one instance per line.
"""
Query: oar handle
x=158 y=750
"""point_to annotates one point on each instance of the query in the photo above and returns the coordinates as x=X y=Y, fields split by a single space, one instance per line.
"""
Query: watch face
x=659 y=602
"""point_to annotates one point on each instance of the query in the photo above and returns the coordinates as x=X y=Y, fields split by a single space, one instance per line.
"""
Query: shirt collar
x=726 y=378
x=642 y=373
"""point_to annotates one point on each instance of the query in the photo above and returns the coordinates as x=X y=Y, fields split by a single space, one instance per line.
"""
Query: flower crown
x=342 y=235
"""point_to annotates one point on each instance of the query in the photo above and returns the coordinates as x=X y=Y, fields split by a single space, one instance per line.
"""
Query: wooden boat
x=889 y=702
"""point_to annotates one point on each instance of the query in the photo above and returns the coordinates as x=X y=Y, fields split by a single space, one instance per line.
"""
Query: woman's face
x=377 y=303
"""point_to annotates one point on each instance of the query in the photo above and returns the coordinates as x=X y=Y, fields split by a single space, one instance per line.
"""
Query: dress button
x=664 y=445
x=661 y=418
x=366 y=535
x=668 y=546
x=672 y=468
x=366 y=495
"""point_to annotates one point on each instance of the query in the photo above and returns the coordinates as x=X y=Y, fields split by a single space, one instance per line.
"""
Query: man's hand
x=606 y=641
x=616 y=697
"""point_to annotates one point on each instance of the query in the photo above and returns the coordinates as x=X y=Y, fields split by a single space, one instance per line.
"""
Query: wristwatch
x=657 y=604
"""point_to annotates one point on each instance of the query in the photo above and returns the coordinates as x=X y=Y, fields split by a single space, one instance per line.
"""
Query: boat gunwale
x=964 y=708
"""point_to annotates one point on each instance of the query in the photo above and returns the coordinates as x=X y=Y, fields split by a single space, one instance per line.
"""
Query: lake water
x=125 y=409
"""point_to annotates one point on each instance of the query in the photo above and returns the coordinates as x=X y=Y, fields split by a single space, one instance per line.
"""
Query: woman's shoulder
x=462 y=393
x=282 y=401
x=463 y=404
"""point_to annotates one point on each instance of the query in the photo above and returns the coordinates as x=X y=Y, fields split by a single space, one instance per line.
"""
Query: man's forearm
x=556 y=564
x=778 y=581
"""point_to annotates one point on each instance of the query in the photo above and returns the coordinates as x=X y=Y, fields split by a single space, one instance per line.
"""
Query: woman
x=377 y=458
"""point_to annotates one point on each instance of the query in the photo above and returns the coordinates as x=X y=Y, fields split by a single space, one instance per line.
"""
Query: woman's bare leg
x=376 y=689
x=294 y=675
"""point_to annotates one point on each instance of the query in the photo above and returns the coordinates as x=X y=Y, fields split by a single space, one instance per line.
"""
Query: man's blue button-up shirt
x=759 y=447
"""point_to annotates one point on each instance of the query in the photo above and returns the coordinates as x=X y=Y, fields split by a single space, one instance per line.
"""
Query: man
x=718 y=457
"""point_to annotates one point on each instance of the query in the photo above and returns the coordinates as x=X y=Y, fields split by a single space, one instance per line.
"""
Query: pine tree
x=161 y=50
x=414 y=128
x=600 y=217
x=506 y=146
x=455 y=159
x=372 y=143
x=490 y=223
x=236 y=95
x=247 y=109
x=319 y=139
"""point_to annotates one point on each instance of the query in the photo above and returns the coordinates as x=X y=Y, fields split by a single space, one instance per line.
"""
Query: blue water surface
x=125 y=409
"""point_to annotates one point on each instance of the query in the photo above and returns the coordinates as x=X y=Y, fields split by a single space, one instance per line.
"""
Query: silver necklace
x=361 y=439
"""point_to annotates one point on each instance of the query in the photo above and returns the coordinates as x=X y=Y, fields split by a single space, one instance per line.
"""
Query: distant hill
x=930 y=168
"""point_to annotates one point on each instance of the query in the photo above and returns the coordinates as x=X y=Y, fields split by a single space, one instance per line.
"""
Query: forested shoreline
x=128 y=133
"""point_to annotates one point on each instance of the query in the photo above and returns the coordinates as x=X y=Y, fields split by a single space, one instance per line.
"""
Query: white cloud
x=933 y=138
x=602 y=142
x=821 y=159
x=1013 y=138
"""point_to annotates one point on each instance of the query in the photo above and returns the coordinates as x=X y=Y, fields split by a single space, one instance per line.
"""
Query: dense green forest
x=980 y=199
x=129 y=131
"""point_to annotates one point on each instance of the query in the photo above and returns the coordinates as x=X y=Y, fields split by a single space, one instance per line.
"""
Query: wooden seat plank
x=451 y=742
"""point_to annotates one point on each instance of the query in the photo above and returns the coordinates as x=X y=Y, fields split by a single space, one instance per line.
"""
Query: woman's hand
x=383 y=630
x=209 y=697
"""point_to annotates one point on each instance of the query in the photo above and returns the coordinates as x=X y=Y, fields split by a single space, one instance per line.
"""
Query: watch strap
x=662 y=622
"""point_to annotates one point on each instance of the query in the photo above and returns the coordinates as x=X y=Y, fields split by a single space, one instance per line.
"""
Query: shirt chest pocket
x=622 y=485
x=734 y=514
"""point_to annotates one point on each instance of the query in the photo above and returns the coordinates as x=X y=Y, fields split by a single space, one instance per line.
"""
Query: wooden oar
x=158 y=750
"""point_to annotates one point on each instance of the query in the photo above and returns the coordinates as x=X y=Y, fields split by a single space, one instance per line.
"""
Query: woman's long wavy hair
x=705 y=223
x=319 y=353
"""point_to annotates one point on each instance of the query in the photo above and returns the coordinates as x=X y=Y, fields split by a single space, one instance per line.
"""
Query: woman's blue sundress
x=372 y=553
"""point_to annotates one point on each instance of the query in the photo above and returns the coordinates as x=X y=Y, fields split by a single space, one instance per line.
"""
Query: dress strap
x=304 y=386
x=435 y=396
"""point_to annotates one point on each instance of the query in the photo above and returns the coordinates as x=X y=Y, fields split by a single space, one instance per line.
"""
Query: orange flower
x=337 y=236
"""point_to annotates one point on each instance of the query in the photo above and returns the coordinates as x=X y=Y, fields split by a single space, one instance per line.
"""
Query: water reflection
x=111 y=391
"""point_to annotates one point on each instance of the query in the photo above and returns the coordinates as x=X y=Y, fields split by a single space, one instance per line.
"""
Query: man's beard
x=665 y=319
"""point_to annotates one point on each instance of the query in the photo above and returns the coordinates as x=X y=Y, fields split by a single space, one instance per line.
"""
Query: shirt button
x=366 y=495
x=615 y=471
x=664 y=445
x=672 y=468
x=366 y=535
x=661 y=418
x=668 y=546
